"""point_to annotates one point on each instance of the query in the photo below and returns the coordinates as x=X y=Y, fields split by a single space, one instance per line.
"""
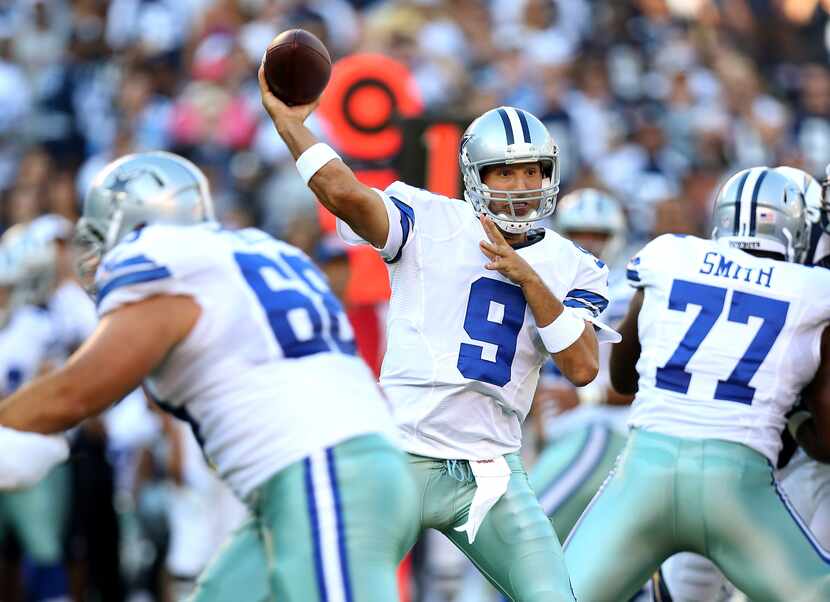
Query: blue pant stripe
x=315 y=531
x=341 y=535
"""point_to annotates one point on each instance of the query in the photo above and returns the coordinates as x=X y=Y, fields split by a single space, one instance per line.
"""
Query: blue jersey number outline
x=504 y=334
x=278 y=304
x=711 y=300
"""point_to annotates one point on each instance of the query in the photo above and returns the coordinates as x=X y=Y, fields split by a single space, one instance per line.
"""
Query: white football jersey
x=26 y=341
x=269 y=372
x=463 y=351
x=728 y=340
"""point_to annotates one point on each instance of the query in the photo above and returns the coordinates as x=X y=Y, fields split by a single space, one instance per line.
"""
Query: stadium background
x=652 y=100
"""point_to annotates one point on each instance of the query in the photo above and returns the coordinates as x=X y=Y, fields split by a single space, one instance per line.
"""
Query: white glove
x=25 y=458
x=492 y=477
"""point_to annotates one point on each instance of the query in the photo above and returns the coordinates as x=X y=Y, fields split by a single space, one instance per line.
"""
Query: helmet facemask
x=509 y=136
x=88 y=249
x=514 y=211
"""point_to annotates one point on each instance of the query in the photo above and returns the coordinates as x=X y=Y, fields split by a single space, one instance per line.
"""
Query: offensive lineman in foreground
x=232 y=332
x=721 y=337
x=479 y=302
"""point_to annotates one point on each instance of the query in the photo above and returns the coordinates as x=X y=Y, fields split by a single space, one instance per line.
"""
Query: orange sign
x=361 y=109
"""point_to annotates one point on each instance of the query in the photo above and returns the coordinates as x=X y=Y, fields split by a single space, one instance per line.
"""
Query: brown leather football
x=297 y=66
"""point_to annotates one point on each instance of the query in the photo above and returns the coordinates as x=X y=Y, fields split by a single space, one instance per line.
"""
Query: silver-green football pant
x=37 y=516
x=516 y=548
x=330 y=527
x=806 y=483
x=715 y=498
x=571 y=470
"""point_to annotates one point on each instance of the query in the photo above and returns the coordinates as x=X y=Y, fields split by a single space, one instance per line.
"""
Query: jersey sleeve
x=399 y=208
x=154 y=261
x=642 y=268
x=588 y=296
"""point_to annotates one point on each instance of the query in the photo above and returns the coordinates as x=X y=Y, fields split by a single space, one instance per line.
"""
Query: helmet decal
x=515 y=125
x=762 y=209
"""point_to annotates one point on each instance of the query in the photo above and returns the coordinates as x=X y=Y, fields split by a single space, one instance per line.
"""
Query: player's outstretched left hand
x=503 y=258
x=280 y=112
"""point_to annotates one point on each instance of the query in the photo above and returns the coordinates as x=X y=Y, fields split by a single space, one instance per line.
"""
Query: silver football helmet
x=31 y=262
x=136 y=190
x=761 y=209
x=592 y=210
x=10 y=273
x=508 y=136
x=811 y=190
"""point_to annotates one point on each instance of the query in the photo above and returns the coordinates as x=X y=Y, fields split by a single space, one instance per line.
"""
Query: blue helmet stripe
x=754 y=206
x=508 y=129
x=737 y=220
x=525 y=128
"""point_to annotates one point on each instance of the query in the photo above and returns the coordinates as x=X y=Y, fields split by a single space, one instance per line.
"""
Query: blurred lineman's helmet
x=760 y=209
x=591 y=210
x=9 y=276
x=508 y=136
x=32 y=263
x=136 y=190
x=811 y=190
x=51 y=227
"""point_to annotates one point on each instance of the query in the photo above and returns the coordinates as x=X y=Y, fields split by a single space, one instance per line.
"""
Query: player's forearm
x=812 y=442
x=615 y=398
x=622 y=368
x=579 y=362
x=624 y=355
x=334 y=182
x=336 y=186
x=297 y=137
x=542 y=302
x=50 y=404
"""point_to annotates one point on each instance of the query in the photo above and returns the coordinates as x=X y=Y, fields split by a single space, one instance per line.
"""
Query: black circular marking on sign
x=357 y=87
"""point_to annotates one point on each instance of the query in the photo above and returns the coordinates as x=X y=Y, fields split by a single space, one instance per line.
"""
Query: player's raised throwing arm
x=330 y=179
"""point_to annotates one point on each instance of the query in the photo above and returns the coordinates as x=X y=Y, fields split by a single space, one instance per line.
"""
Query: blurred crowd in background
x=653 y=101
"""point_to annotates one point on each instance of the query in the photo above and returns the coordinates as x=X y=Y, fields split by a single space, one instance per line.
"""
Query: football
x=297 y=66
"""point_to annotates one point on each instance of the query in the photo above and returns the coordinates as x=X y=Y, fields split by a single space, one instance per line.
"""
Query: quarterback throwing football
x=479 y=302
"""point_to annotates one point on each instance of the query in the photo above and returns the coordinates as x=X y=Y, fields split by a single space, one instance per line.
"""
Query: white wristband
x=313 y=158
x=562 y=332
